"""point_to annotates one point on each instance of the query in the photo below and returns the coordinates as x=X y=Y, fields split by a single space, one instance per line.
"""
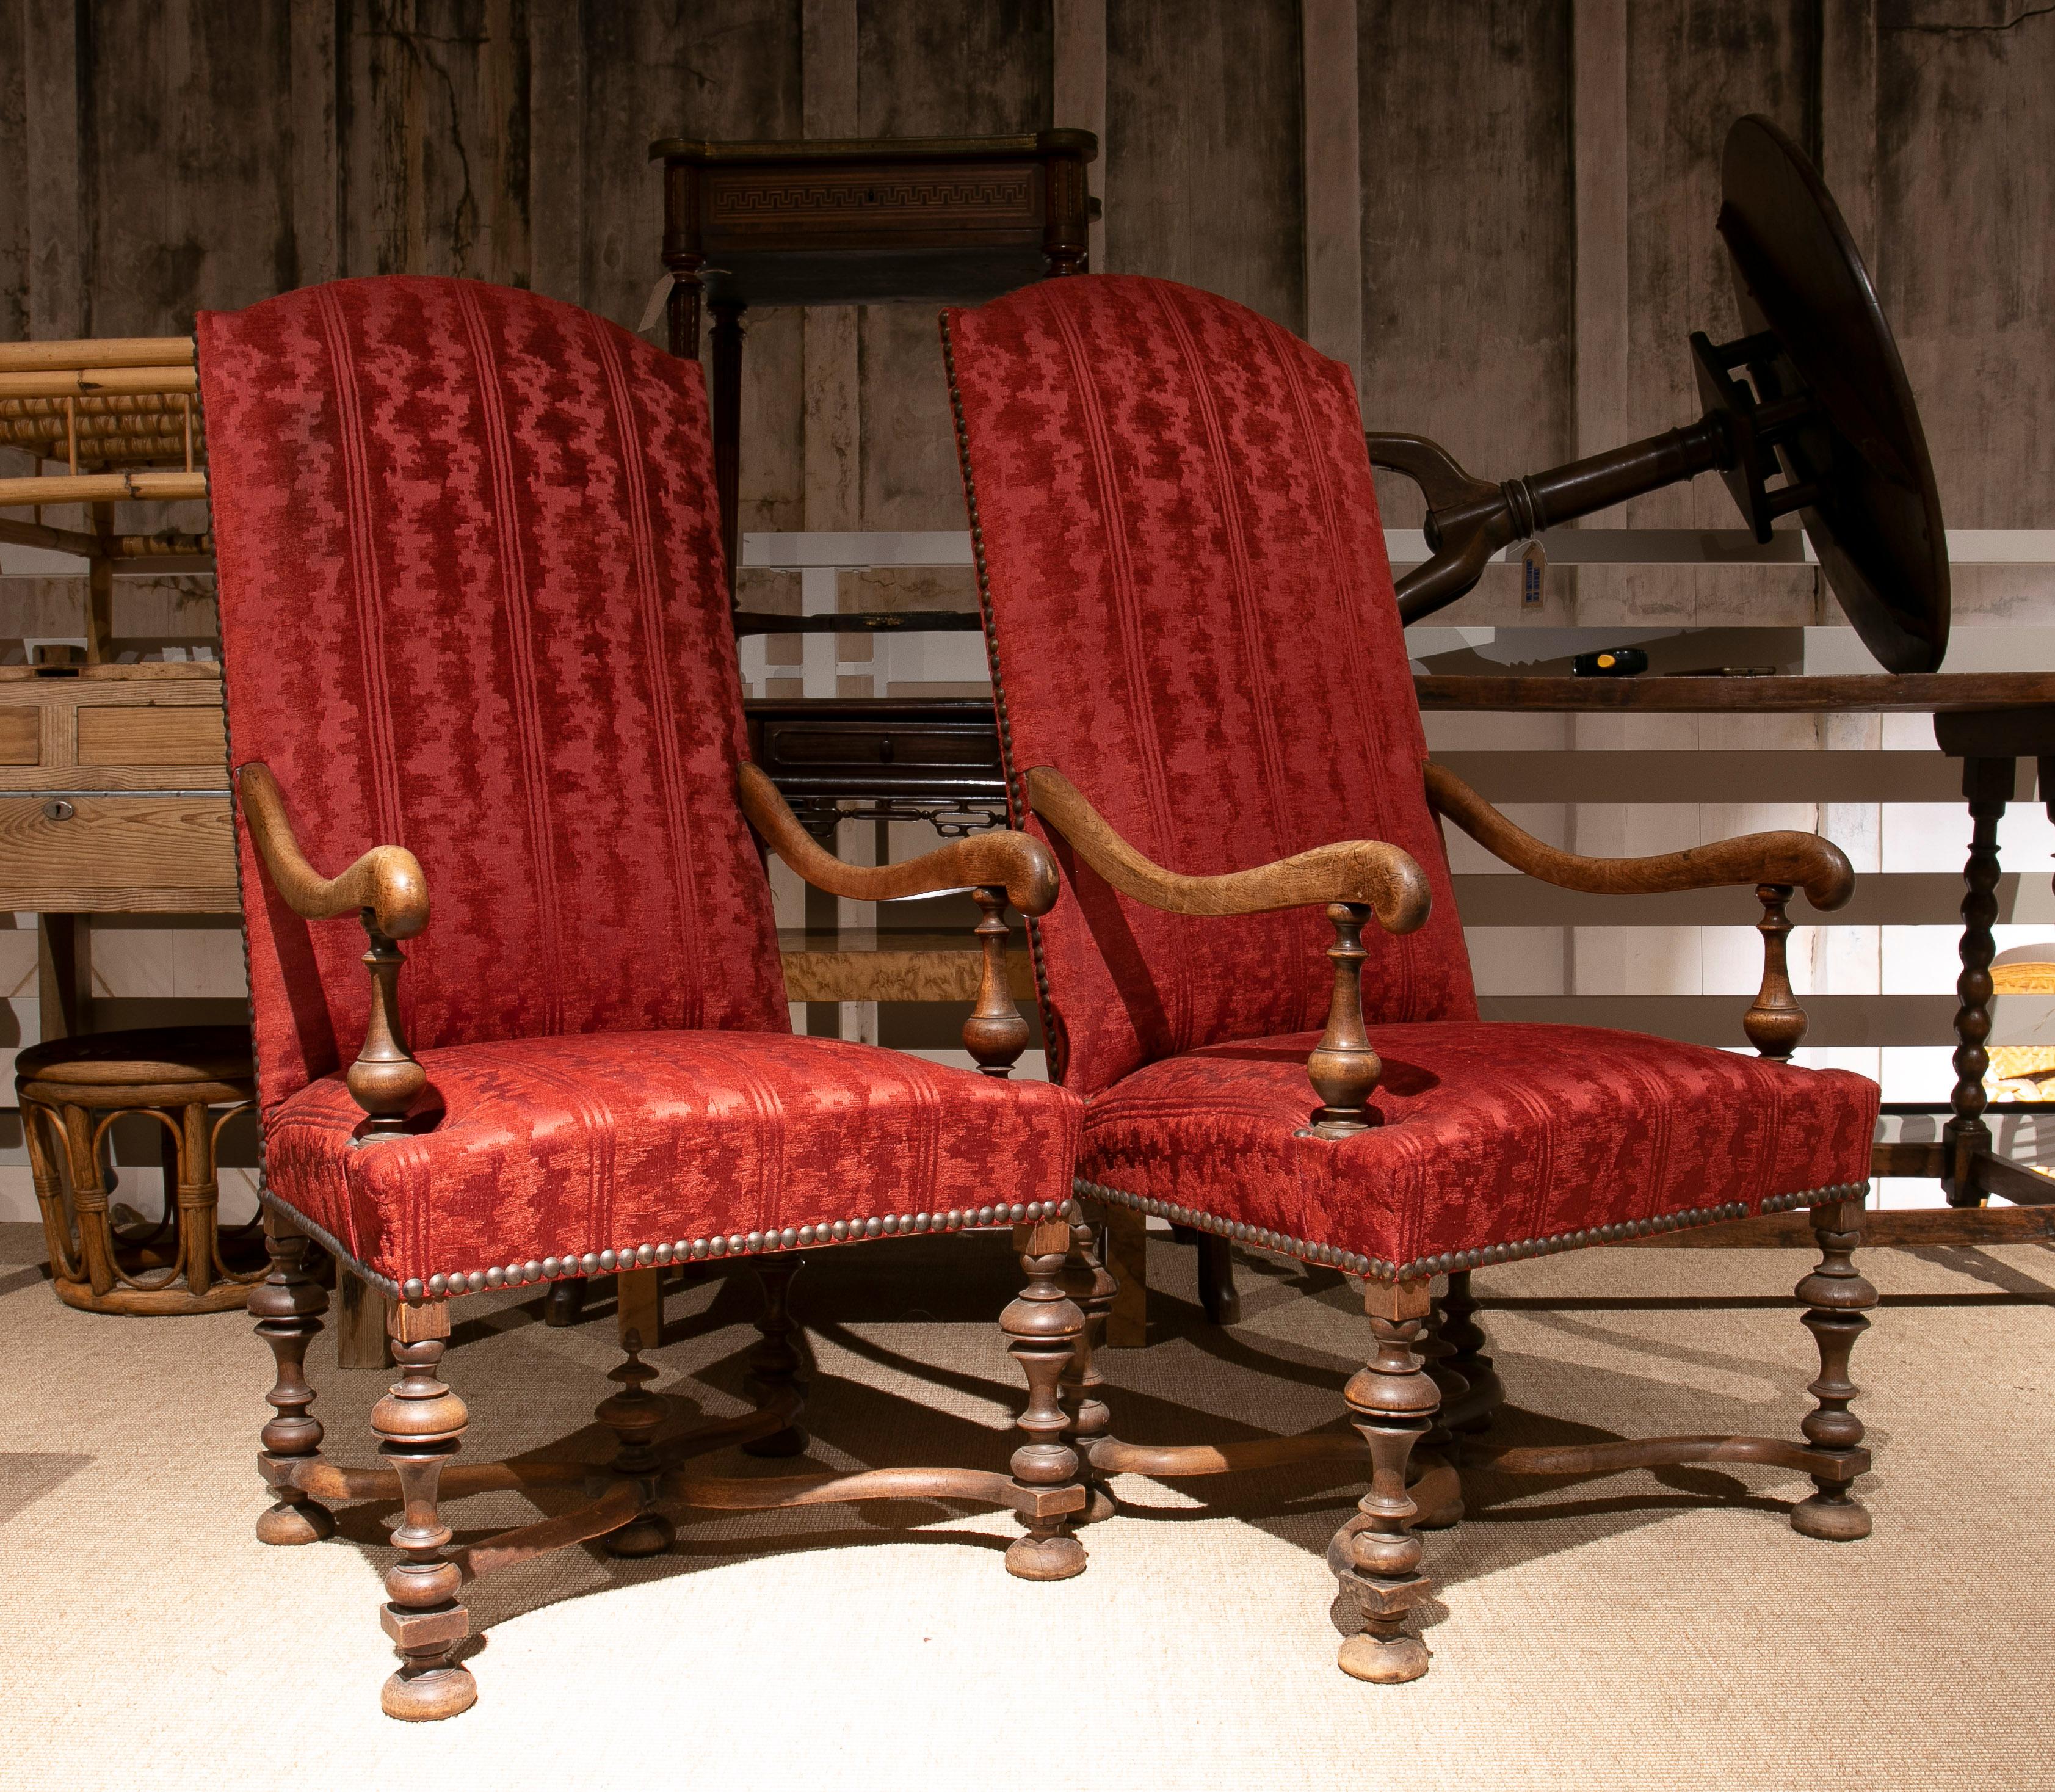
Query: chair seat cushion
x=528 y=1153
x=1499 y=1139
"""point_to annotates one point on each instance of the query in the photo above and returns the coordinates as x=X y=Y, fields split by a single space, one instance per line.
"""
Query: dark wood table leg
x=726 y=381
x=1987 y=787
x=64 y=976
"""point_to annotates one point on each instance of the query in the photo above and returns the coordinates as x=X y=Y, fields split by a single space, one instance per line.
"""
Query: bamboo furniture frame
x=193 y=1082
x=112 y=411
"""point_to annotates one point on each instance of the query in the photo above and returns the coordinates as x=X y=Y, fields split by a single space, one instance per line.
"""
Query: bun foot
x=792 y=1441
x=1386 y=1661
x=647 y=1533
x=424 y=1695
x=1045 y=1558
x=1833 y=1517
x=284 y=1525
x=1099 y=1506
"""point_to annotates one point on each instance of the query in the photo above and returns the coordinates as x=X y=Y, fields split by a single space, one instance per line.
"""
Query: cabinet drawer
x=20 y=729
x=151 y=734
x=83 y=853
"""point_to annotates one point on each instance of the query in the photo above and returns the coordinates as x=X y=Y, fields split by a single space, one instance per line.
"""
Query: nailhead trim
x=1378 y=1269
x=448 y=1285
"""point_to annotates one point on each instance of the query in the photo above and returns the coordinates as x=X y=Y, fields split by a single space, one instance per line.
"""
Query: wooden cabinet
x=114 y=790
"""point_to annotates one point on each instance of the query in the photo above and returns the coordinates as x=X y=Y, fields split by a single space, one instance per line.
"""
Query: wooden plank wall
x=1498 y=210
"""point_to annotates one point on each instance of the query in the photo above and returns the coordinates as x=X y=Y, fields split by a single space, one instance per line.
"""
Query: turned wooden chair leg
x=1217 y=1293
x=1044 y=1328
x=775 y=1363
x=1127 y=1257
x=1836 y=1296
x=1483 y=1393
x=1092 y=1289
x=420 y=1424
x=1377 y=1553
x=288 y=1304
x=1435 y=1486
x=564 y=1304
x=633 y=1415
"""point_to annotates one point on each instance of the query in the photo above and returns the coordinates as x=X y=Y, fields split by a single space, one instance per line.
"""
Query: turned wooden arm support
x=1775 y=864
x=1352 y=880
x=1368 y=874
x=385 y=889
x=997 y=868
x=1799 y=861
x=386 y=881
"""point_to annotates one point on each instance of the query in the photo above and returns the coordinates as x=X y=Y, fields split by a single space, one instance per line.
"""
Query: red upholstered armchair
x=1199 y=665
x=477 y=651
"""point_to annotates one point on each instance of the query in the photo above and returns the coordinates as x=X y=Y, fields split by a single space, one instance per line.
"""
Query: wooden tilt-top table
x=1989 y=721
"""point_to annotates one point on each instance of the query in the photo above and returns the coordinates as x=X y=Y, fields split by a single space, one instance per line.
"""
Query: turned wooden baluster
x=1836 y=1296
x=1343 y=1068
x=385 y=1079
x=420 y=1424
x=996 y=1034
x=775 y=1363
x=1091 y=1288
x=633 y=1415
x=1393 y=1403
x=1464 y=1337
x=288 y=1304
x=1987 y=784
x=1774 y=1022
x=1044 y=1328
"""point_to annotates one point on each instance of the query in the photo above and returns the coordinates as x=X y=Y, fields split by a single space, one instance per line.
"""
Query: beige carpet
x=1640 y=1631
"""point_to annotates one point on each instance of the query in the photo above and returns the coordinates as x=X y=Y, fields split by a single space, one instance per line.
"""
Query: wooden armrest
x=1785 y=858
x=998 y=860
x=1371 y=873
x=387 y=880
x=386 y=891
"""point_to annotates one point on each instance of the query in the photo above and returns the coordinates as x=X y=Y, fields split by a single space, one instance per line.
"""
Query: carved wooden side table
x=193 y=1081
x=944 y=220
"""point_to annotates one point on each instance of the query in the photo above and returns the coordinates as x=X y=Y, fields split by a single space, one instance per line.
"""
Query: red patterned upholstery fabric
x=1493 y=1133
x=472 y=603
x=555 y=1148
x=1191 y=617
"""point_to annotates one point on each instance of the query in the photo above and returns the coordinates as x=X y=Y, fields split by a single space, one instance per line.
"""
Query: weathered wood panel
x=1966 y=193
x=189 y=103
x=1694 y=67
x=982 y=69
x=715 y=69
x=14 y=154
x=433 y=120
x=1468 y=249
x=1203 y=148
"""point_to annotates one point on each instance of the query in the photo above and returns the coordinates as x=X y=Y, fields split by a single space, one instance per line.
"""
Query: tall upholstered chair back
x=471 y=604
x=1173 y=509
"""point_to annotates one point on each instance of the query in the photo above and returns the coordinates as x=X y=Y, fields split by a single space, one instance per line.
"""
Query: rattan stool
x=71 y=1092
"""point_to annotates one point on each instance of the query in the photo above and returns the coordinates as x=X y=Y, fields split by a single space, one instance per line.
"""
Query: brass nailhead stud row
x=1454 y=1261
x=734 y=1244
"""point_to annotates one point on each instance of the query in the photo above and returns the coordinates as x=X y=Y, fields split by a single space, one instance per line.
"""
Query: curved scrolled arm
x=1776 y=864
x=1789 y=859
x=1384 y=879
x=1352 y=879
x=385 y=889
x=998 y=868
x=999 y=860
x=387 y=881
